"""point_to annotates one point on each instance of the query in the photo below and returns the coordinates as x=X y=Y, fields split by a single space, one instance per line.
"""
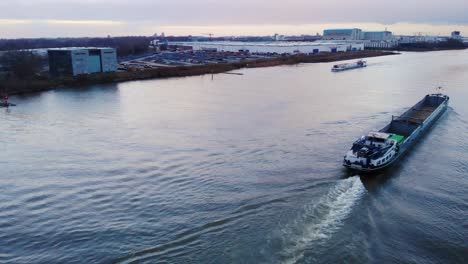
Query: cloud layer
x=102 y=17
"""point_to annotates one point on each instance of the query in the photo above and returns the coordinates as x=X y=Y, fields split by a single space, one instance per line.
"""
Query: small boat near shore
x=349 y=66
x=380 y=149
x=6 y=104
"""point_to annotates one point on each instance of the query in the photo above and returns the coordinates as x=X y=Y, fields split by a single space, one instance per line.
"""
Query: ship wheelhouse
x=375 y=149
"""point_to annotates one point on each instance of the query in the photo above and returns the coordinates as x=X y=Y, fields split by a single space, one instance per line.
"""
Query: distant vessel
x=349 y=66
x=380 y=149
x=6 y=104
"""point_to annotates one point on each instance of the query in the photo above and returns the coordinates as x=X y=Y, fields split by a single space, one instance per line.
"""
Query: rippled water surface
x=238 y=169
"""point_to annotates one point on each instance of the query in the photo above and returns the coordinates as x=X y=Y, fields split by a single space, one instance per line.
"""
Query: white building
x=456 y=35
x=381 y=44
x=377 y=35
x=342 y=34
x=351 y=45
x=273 y=47
x=420 y=39
x=77 y=61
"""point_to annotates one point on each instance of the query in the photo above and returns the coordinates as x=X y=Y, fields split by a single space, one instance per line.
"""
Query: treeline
x=20 y=65
x=423 y=46
x=125 y=45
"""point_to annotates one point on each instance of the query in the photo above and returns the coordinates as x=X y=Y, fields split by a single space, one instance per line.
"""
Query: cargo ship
x=380 y=149
x=6 y=104
x=349 y=66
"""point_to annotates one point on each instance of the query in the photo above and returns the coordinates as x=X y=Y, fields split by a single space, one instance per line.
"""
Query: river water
x=236 y=169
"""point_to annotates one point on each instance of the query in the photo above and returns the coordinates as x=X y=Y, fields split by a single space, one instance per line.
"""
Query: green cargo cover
x=398 y=138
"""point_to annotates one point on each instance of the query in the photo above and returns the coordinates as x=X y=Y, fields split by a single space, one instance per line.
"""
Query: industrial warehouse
x=271 y=47
x=193 y=53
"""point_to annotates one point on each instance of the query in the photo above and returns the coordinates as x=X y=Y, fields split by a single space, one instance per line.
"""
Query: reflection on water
x=235 y=169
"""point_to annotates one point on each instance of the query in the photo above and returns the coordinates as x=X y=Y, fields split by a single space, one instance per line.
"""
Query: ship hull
x=6 y=105
x=347 y=68
x=415 y=133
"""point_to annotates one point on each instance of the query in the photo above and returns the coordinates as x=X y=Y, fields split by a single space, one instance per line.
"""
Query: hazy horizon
x=53 y=29
x=80 y=18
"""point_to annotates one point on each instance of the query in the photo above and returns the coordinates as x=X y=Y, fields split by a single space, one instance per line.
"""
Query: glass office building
x=77 y=61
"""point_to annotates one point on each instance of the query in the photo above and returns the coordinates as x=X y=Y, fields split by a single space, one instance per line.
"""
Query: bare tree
x=21 y=64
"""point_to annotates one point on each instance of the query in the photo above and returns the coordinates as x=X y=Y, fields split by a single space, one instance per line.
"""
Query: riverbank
x=417 y=49
x=427 y=46
x=426 y=49
x=45 y=83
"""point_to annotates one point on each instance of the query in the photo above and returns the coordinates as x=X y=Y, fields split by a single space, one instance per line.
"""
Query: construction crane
x=209 y=34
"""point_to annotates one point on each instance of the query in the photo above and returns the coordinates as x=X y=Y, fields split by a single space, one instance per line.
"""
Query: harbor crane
x=210 y=35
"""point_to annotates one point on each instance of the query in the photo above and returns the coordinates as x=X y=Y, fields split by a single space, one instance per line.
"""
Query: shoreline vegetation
x=450 y=44
x=43 y=83
x=417 y=49
x=427 y=49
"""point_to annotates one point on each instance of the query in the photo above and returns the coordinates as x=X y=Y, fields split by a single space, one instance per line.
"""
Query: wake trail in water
x=320 y=220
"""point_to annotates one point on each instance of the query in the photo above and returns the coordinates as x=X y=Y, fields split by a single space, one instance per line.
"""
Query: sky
x=78 y=18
